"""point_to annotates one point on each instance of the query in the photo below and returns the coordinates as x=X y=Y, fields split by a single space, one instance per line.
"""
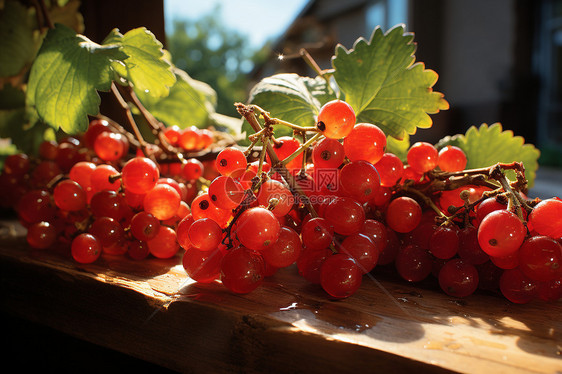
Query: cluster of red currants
x=86 y=194
x=190 y=139
x=248 y=224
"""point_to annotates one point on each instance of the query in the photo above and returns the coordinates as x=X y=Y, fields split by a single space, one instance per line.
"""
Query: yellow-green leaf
x=65 y=77
x=488 y=145
x=146 y=66
x=383 y=84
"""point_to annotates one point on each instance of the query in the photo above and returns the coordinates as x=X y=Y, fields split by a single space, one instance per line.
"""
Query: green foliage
x=190 y=103
x=145 y=66
x=292 y=98
x=487 y=145
x=384 y=86
x=68 y=70
x=18 y=41
x=378 y=79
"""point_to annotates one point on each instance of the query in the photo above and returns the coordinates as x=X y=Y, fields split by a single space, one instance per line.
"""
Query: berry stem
x=117 y=94
x=117 y=127
x=429 y=202
x=301 y=149
x=325 y=74
x=270 y=121
x=248 y=112
x=497 y=173
x=42 y=8
x=156 y=126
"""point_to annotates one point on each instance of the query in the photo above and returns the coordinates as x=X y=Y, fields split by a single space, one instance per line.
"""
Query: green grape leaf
x=383 y=84
x=68 y=70
x=291 y=98
x=487 y=145
x=146 y=67
x=18 y=42
x=189 y=103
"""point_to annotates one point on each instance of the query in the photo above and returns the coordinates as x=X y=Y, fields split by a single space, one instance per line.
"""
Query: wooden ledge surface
x=150 y=309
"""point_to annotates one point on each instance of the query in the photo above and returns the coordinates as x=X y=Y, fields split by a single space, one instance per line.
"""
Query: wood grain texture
x=150 y=309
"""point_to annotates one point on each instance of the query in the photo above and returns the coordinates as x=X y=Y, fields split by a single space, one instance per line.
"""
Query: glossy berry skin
x=66 y=155
x=273 y=189
x=164 y=244
x=501 y=233
x=283 y=148
x=345 y=215
x=422 y=157
x=205 y=234
x=469 y=249
x=203 y=207
x=35 y=206
x=403 y=214
x=137 y=250
x=105 y=177
x=376 y=231
x=242 y=270
x=17 y=165
x=231 y=162
x=44 y=173
x=310 y=263
x=444 y=242
x=203 y=267
x=144 y=226
x=110 y=234
x=85 y=248
x=95 y=128
x=110 y=146
x=486 y=207
x=162 y=201
x=192 y=169
x=140 y=175
x=336 y=119
x=413 y=263
x=41 y=235
x=285 y=251
x=69 y=196
x=540 y=258
x=361 y=249
x=172 y=135
x=390 y=169
x=451 y=158
x=458 y=278
x=226 y=193
x=81 y=173
x=365 y=142
x=546 y=218
x=189 y=139
x=182 y=232
x=510 y=261
x=517 y=287
x=360 y=180
x=317 y=233
x=328 y=154
x=257 y=228
x=340 y=276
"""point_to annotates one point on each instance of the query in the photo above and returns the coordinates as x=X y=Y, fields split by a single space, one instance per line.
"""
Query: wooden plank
x=149 y=309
